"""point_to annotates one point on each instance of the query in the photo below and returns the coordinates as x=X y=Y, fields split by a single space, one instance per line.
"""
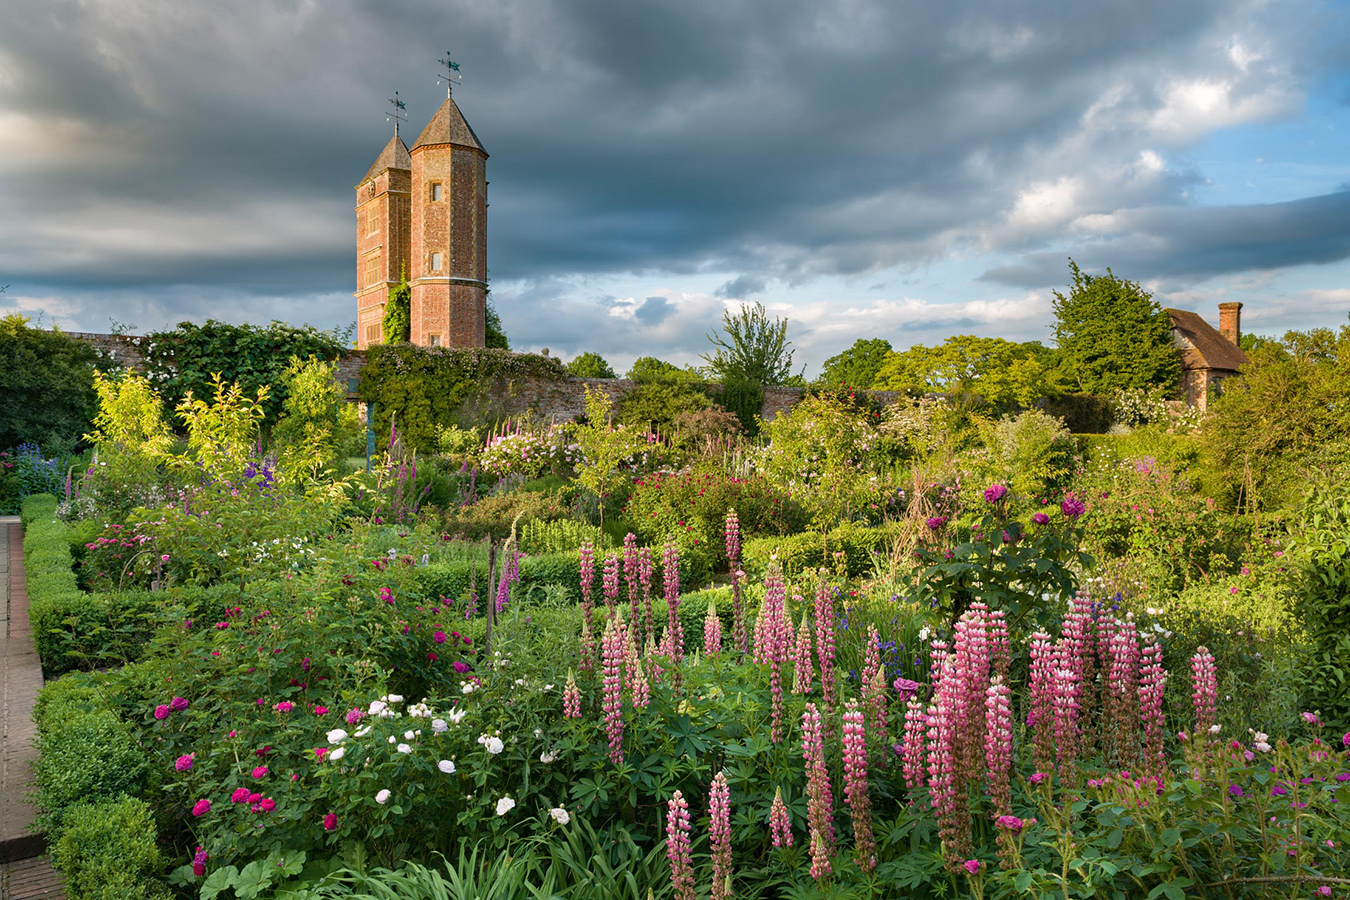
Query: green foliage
x=396 y=327
x=424 y=388
x=604 y=448
x=46 y=385
x=85 y=754
x=24 y=473
x=494 y=336
x=658 y=405
x=1324 y=595
x=559 y=536
x=307 y=432
x=744 y=398
x=590 y=365
x=188 y=357
x=827 y=451
x=856 y=367
x=751 y=346
x=107 y=851
x=1284 y=416
x=1032 y=453
x=853 y=546
x=1003 y=374
x=1112 y=335
x=649 y=368
x=1082 y=413
x=692 y=507
x=221 y=433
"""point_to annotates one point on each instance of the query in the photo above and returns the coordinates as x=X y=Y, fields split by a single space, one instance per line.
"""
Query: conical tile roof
x=393 y=156
x=448 y=127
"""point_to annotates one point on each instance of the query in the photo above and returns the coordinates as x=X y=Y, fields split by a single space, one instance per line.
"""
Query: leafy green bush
x=84 y=755
x=657 y=405
x=1032 y=452
x=798 y=553
x=558 y=536
x=107 y=851
x=1082 y=413
x=1324 y=596
x=46 y=385
x=745 y=398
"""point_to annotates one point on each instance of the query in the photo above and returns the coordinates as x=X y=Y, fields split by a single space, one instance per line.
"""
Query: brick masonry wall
x=560 y=401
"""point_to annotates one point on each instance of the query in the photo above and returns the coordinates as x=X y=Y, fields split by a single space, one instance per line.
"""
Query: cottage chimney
x=1230 y=321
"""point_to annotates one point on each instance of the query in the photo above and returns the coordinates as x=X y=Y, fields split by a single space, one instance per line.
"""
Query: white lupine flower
x=403 y=748
x=382 y=796
x=337 y=754
x=336 y=736
x=560 y=815
x=446 y=766
x=505 y=805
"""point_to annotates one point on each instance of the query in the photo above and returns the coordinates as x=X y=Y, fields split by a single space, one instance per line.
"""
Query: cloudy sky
x=896 y=168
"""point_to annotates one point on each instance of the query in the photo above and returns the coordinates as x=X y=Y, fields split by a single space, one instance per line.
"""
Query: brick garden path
x=24 y=872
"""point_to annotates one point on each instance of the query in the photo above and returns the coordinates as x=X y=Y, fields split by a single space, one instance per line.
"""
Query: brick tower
x=382 y=236
x=447 y=265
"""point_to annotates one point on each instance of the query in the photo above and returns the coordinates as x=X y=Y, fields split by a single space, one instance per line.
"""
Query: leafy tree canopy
x=1004 y=373
x=1112 y=335
x=751 y=346
x=857 y=367
x=590 y=365
x=494 y=336
x=649 y=368
x=46 y=386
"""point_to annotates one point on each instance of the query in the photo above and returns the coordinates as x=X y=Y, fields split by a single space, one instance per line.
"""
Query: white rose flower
x=466 y=688
x=560 y=815
x=403 y=748
x=494 y=745
x=438 y=726
x=382 y=796
x=395 y=698
x=409 y=735
x=377 y=707
x=446 y=766
x=362 y=732
x=1214 y=729
x=392 y=739
x=337 y=736
x=337 y=754
x=505 y=805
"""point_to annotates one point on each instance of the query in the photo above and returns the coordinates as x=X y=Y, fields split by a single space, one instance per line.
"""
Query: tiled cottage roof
x=1201 y=344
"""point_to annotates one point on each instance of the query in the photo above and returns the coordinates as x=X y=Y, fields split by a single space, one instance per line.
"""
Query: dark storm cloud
x=654 y=311
x=1201 y=241
x=151 y=145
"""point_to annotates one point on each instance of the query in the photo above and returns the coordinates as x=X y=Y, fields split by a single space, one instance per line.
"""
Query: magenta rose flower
x=439 y=637
x=1072 y=507
x=161 y=712
x=240 y=795
x=260 y=772
x=971 y=865
x=201 y=807
x=1041 y=519
x=183 y=763
x=330 y=822
x=995 y=493
x=936 y=522
x=178 y=703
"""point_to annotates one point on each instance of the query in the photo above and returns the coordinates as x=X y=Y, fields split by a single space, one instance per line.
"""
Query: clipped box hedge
x=799 y=552
x=73 y=629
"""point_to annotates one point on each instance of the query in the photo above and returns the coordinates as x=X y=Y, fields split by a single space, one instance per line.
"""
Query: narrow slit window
x=435 y=192
x=435 y=262
x=435 y=340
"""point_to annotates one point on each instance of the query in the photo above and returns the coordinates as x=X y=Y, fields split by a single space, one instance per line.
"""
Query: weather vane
x=451 y=75
x=398 y=111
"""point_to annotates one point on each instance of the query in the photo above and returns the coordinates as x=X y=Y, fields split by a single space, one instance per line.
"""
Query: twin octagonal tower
x=422 y=214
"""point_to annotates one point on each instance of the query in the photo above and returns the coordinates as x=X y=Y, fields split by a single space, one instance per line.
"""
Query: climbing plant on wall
x=423 y=387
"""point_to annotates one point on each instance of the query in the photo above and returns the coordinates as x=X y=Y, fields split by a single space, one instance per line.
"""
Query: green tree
x=604 y=448
x=397 y=325
x=306 y=431
x=494 y=336
x=1113 y=335
x=649 y=368
x=590 y=365
x=46 y=385
x=856 y=367
x=752 y=346
x=1281 y=419
x=1005 y=374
